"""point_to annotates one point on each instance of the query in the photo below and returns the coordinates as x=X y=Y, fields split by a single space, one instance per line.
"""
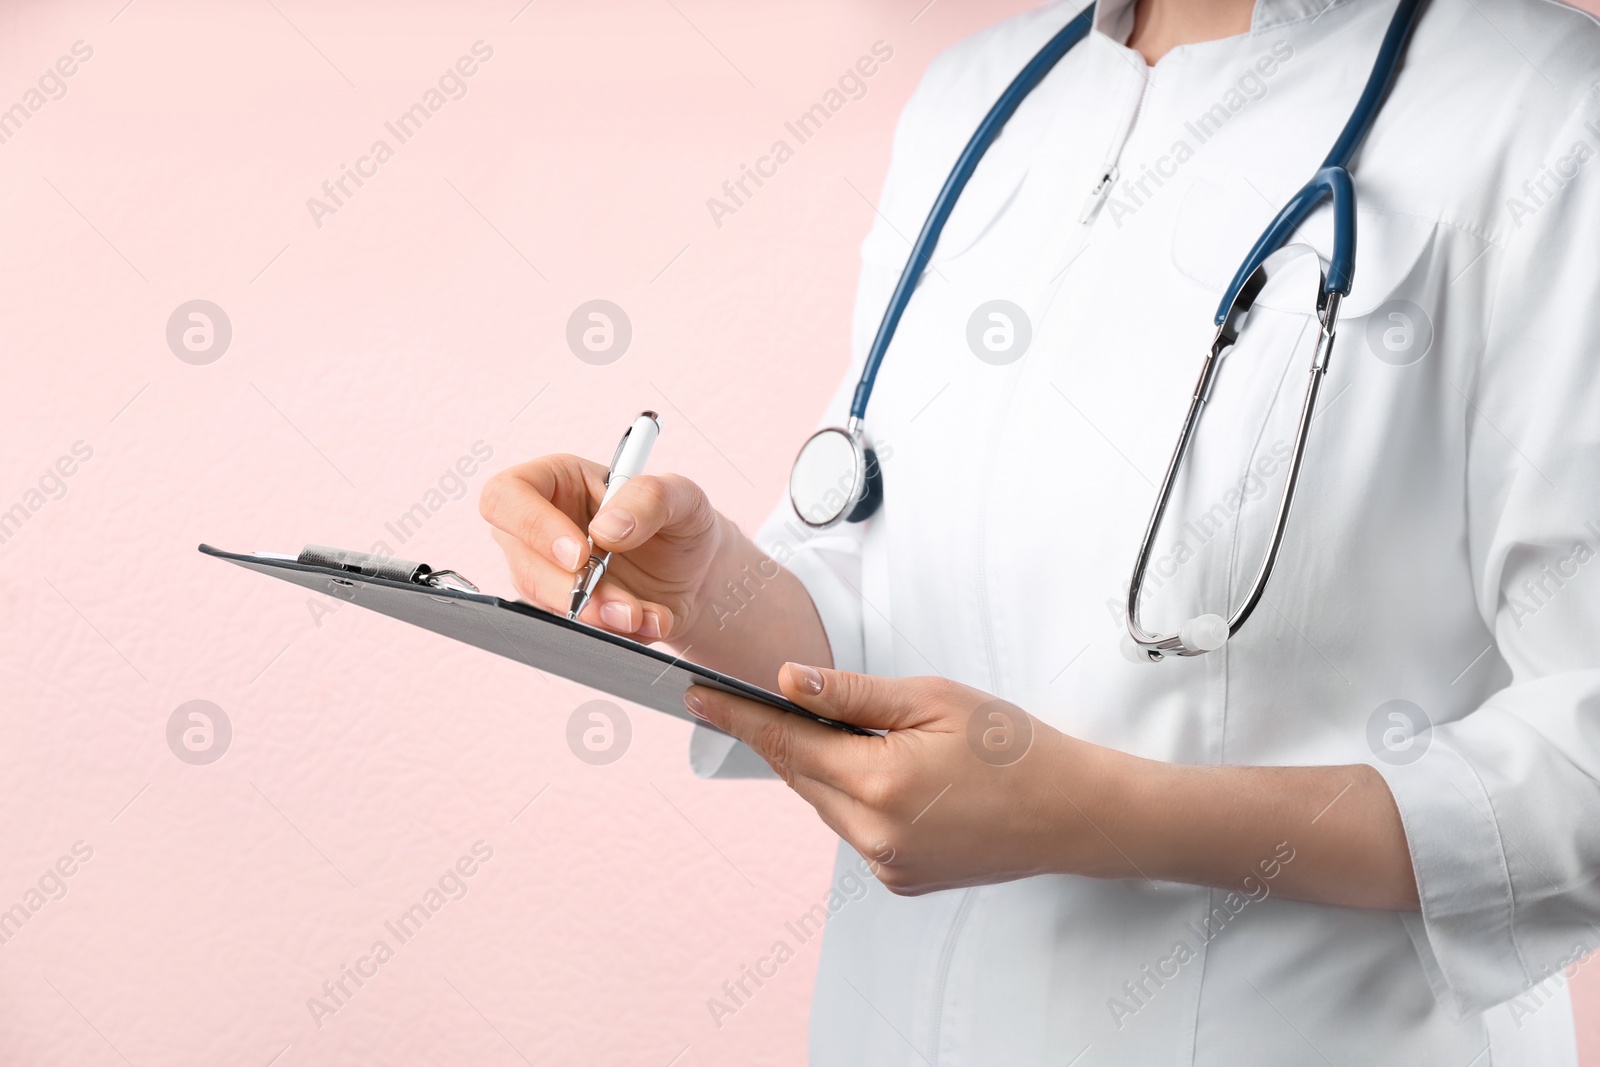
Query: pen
x=633 y=452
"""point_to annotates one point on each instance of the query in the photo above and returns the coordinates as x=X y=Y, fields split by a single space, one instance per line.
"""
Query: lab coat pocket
x=1218 y=224
x=992 y=190
x=925 y=160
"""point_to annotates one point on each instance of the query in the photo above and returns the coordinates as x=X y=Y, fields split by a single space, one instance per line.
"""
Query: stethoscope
x=836 y=476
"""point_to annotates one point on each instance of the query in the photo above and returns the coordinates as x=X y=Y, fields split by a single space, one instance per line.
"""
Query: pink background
x=369 y=354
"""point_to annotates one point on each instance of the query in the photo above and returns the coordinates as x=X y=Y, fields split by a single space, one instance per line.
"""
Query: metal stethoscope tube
x=1206 y=633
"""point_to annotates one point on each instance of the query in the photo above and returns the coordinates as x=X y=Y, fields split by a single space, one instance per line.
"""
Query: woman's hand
x=680 y=572
x=963 y=790
x=664 y=531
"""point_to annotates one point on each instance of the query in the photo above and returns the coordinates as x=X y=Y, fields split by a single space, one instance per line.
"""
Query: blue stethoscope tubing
x=1027 y=79
x=1333 y=177
x=867 y=493
x=1331 y=182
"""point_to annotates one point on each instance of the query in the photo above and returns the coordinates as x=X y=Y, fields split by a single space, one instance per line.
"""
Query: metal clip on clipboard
x=396 y=570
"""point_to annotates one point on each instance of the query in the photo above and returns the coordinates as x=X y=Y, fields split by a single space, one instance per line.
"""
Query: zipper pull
x=1098 y=195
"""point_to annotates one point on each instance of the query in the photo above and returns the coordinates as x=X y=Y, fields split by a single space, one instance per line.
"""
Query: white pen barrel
x=633 y=455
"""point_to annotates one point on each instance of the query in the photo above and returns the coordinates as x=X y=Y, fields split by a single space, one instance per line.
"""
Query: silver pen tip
x=583 y=588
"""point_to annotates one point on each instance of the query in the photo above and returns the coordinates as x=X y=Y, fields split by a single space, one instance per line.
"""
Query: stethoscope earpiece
x=1201 y=634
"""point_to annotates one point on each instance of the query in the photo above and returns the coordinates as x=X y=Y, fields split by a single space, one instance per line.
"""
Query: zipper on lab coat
x=1109 y=173
x=946 y=957
x=1098 y=195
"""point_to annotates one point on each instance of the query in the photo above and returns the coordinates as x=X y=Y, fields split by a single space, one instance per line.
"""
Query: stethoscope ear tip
x=1204 y=633
x=1133 y=653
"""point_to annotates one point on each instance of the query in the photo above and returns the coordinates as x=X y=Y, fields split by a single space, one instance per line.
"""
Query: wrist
x=750 y=614
x=1176 y=822
x=1114 y=806
x=729 y=552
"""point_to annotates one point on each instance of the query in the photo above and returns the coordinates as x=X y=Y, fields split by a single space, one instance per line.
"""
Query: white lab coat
x=1444 y=550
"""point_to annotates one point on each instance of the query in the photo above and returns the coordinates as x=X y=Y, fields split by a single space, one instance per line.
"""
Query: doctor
x=1367 y=829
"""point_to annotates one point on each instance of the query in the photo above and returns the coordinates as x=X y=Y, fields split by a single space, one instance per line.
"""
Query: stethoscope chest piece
x=835 y=478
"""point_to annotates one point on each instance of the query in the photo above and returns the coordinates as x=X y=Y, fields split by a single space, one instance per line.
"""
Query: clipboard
x=447 y=604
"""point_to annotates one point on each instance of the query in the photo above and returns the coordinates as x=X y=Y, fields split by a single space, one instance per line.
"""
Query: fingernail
x=650 y=629
x=613 y=524
x=567 y=552
x=617 y=616
x=696 y=708
x=809 y=679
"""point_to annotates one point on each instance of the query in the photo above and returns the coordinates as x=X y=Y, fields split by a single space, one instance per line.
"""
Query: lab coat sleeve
x=1502 y=811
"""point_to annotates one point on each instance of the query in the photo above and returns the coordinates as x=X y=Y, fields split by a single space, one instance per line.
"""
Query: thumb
x=863 y=699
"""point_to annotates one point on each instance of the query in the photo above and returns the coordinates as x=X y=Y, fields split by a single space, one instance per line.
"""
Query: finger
x=833 y=806
x=535 y=503
x=864 y=699
x=539 y=580
x=794 y=746
x=838 y=809
x=841 y=813
x=669 y=504
x=612 y=607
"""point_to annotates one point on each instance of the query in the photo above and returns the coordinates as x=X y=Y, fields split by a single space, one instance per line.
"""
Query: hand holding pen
x=654 y=539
